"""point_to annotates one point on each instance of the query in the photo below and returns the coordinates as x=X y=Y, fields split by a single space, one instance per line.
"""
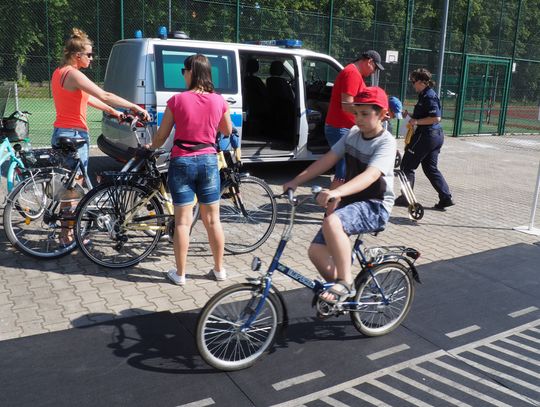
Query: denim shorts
x=194 y=175
x=359 y=217
x=83 y=150
x=333 y=135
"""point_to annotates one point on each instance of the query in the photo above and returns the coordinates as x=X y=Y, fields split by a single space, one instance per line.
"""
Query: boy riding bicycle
x=364 y=202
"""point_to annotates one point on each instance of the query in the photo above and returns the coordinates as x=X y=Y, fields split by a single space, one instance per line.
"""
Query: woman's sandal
x=337 y=293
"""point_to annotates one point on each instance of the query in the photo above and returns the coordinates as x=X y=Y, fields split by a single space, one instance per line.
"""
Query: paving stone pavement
x=492 y=180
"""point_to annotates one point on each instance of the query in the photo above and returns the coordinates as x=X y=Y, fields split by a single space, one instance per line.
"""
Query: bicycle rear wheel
x=248 y=213
x=384 y=297
x=223 y=341
x=33 y=218
x=113 y=224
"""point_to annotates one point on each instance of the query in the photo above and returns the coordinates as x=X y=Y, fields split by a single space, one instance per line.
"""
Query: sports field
x=519 y=119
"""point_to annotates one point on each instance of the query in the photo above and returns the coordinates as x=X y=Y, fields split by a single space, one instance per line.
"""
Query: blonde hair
x=76 y=42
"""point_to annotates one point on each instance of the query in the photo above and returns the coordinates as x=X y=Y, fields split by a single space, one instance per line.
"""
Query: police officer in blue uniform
x=427 y=140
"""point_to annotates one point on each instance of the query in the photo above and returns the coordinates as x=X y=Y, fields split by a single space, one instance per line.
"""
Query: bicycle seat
x=71 y=143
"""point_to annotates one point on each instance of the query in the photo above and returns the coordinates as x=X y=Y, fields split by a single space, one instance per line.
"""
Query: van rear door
x=169 y=61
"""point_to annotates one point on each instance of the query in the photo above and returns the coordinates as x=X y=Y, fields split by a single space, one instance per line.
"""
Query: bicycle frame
x=387 y=253
x=8 y=152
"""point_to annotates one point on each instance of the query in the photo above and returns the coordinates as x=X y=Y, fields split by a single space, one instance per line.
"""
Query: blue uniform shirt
x=428 y=105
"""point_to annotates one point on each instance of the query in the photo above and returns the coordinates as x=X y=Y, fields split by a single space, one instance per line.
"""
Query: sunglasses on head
x=184 y=70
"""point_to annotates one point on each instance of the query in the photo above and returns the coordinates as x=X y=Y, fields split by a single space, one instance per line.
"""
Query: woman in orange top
x=72 y=92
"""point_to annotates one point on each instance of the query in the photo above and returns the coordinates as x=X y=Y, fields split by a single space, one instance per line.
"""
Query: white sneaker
x=219 y=275
x=175 y=278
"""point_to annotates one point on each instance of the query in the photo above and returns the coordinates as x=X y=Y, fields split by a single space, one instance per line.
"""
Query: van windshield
x=170 y=61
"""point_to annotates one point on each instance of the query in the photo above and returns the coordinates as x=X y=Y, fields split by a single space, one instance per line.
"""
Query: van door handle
x=231 y=101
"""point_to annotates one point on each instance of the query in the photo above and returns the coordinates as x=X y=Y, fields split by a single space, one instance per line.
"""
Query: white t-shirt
x=360 y=153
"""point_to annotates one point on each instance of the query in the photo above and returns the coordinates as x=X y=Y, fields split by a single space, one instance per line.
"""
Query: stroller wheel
x=416 y=211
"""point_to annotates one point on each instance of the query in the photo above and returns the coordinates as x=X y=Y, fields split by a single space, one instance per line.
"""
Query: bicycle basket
x=43 y=157
x=15 y=127
x=149 y=180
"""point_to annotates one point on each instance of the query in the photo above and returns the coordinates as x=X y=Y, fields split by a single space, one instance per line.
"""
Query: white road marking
x=463 y=331
x=457 y=386
x=366 y=397
x=479 y=379
x=388 y=352
x=529 y=338
x=298 y=380
x=522 y=312
x=521 y=345
x=200 y=403
x=429 y=390
x=514 y=354
x=504 y=363
x=333 y=402
x=398 y=393
x=347 y=386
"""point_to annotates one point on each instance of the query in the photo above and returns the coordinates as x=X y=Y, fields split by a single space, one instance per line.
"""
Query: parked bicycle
x=121 y=221
x=238 y=325
x=39 y=209
x=13 y=132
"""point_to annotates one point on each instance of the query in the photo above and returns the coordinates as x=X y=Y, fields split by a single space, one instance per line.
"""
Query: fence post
x=530 y=229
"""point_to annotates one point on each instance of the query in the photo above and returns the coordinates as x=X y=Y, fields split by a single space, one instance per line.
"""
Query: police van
x=278 y=93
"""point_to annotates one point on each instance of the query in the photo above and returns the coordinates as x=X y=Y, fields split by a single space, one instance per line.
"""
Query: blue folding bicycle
x=238 y=325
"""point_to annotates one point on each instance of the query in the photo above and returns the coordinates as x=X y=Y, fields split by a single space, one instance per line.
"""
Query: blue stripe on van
x=236 y=119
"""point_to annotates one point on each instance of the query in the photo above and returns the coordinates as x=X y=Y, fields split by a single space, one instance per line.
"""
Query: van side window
x=170 y=61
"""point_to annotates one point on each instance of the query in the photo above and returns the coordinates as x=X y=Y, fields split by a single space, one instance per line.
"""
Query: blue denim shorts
x=84 y=151
x=359 y=217
x=333 y=135
x=194 y=175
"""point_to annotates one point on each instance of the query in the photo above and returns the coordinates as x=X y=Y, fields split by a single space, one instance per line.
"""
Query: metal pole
x=535 y=200
x=121 y=19
x=170 y=16
x=48 y=46
x=330 y=27
x=442 y=46
x=237 y=20
x=406 y=43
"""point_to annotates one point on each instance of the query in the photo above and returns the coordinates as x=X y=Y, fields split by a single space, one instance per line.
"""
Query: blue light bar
x=289 y=43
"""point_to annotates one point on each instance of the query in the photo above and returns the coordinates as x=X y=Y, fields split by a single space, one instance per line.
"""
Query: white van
x=278 y=95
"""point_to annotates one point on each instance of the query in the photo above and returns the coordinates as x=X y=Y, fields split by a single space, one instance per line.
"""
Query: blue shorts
x=84 y=151
x=194 y=175
x=359 y=217
x=333 y=135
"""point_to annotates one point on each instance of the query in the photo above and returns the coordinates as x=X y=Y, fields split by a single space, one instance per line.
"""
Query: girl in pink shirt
x=198 y=115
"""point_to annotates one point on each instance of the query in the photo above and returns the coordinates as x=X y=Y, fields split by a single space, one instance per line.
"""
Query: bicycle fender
x=285 y=315
x=392 y=258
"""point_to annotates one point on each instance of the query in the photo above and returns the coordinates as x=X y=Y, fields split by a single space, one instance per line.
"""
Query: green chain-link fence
x=32 y=34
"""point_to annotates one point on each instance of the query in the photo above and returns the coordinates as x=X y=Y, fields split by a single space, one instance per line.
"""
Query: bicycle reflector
x=256 y=264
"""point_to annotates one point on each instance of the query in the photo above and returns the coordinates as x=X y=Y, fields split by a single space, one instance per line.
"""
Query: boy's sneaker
x=218 y=275
x=175 y=278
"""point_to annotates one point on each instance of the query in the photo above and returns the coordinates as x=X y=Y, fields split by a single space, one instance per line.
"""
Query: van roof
x=227 y=45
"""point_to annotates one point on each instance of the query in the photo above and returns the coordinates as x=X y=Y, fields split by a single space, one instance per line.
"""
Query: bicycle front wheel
x=32 y=216
x=248 y=213
x=384 y=298
x=223 y=340
x=119 y=225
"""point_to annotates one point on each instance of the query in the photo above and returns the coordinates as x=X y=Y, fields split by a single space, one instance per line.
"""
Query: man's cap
x=372 y=95
x=372 y=54
x=396 y=107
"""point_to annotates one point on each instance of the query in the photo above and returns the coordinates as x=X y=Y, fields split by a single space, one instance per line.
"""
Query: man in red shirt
x=339 y=119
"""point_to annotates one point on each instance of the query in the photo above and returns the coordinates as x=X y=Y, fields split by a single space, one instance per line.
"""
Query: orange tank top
x=71 y=106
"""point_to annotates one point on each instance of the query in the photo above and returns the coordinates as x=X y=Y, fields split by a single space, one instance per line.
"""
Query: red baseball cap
x=372 y=95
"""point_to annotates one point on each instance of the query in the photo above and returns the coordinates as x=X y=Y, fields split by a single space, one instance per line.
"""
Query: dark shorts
x=194 y=175
x=359 y=217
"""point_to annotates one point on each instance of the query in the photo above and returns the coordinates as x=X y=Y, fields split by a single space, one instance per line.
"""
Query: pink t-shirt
x=196 y=118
